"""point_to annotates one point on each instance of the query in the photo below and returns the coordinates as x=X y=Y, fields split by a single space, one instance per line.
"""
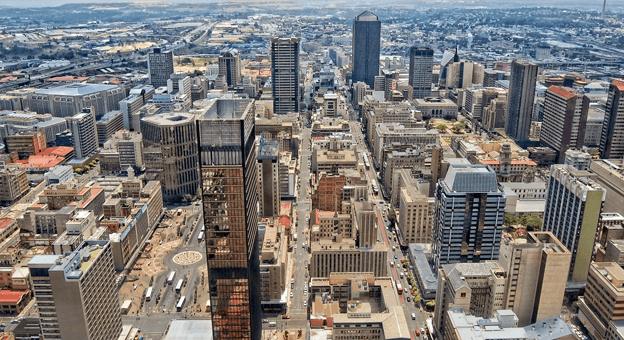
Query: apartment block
x=84 y=133
x=25 y=143
x=415 y=215
x=603 y=300
x=13 y=184
x=110 y=123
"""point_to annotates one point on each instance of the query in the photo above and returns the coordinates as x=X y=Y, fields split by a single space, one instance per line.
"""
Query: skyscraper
x=573 y=206
x=421 y=71
x=268 y=177
x=565 y=119
x=366 y=48
x=612 y=137
x=84 y=133
x=229 y=172
x=468 y=216
x=160 y=66
x=230 y=66
x=285 y=73
x=520 y=102
x=76 y=293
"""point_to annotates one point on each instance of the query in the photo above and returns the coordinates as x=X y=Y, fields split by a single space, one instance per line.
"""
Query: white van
x=413 y=317
x=272 y=324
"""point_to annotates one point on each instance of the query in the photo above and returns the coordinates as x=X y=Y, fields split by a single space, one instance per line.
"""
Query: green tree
x=430 y=304
x=511 y=219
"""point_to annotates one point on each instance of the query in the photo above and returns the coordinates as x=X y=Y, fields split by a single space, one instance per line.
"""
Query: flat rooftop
x=77 y=89
x=189 y=330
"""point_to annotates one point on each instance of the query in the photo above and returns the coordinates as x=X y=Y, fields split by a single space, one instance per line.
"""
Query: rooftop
x=11 y=296
x=471 y=178
x=565 y=92
x=77 y=89
x=189 y=330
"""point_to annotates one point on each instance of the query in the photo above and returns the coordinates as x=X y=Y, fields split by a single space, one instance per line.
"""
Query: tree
x=511 y=219
x=430 y=304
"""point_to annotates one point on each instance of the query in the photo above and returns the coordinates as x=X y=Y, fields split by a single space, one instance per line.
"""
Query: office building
x=273 y=264
x=610 y=176
x=25 y=143
x=436 y=108
x=416 y=215
x=578 y=159
x=537 y=270
x=358 y=305
x=160 y=67
x=520 y=99
x=84 y=135
x=68 y=100
x=564 y=121
x=612 y=137
x=13 y=184
x=475 y=287
x=421 y=71
x=230 y=66
x=229 y=172
x=573 y=205
x=172 y=139
x=604 y=295
x=461 y=325
x=285 y=74
x=268 y=178
x=76 y=293
x=110 y=123
x=463 y=74
x=468 y=216
x=366 y=48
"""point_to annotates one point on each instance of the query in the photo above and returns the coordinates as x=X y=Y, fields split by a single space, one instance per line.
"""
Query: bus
x=148 y=295
x=180 y=303
x=366 y=162
x=375 y=187
x=200 y=237
x=399 y=287
x=179 y=285
x=170 y=279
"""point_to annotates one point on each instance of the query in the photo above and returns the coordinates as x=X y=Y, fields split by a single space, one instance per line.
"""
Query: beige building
x=76 y=293
x=13 y=184
x=273 y=259
x=387 y=134
x=384 y=112
x=537 y=270
x=415 y=215
x=475 y=287
x=330 y=225
x=611 y=178
x=330 y=161
x=358 y=305
x=603 y=300
x=436 y=107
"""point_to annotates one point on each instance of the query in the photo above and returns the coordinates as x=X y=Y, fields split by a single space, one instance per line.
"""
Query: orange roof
x=524 y=163
x=7 y=78
x=5 y=222
x=94 y=193
x=42 y=161
x=619 y=84
x=11 y=296
x=285 y=221
x=488 y=162
x=565 y=92
x=57 y=151
x=68 y=78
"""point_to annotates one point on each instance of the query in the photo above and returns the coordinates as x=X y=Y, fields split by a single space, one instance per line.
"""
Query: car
x=396 y=257
x=285 y=316
x=306 y=275
x=292 y=294
x=305 y=303
x=386 y=220
x=305 y=293
x=422 y=330
x=139 y=330
x=295 y=246
x=408 y=299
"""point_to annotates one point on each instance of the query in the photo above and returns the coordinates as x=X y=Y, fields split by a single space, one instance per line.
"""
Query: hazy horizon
x=612 y=5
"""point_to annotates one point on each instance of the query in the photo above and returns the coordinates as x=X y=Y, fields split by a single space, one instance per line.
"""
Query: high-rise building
x=13 y=184
x=230 y=66
x=76 y=293
x=537 y=270
x=416 y=211
x=565 y=119
x=26 y=143
x=110 y=123
x=468 y=216
x=268 y=178
x=599 y=309
x=229 y=173
x=520 y=99
x=573 y=206
x=160 y=66
x=421 y=71
x=82 y=127
x=612 y=137
x=285 y=74
x=172 y=138
x=366 y=48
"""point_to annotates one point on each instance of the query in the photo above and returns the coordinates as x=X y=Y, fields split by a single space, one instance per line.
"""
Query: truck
x=148 y=295
x=125 y=307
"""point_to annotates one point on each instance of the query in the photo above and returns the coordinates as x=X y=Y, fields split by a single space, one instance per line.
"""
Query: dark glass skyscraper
x=366 y=41
x=612 y=137
x=421 y=71
x=520 y=102
x=229 y=176
x=285 y=74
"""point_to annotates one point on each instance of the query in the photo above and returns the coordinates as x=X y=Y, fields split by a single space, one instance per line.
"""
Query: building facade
x=366 y=48
x=520 y=99
x=82 y=127
x=421 y=71
x=285 y=74
x=612 y=136
x=230 y=66
x=229 y=172
x=160 y=67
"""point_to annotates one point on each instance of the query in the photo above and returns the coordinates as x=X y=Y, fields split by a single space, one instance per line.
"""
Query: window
x=463 y=295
